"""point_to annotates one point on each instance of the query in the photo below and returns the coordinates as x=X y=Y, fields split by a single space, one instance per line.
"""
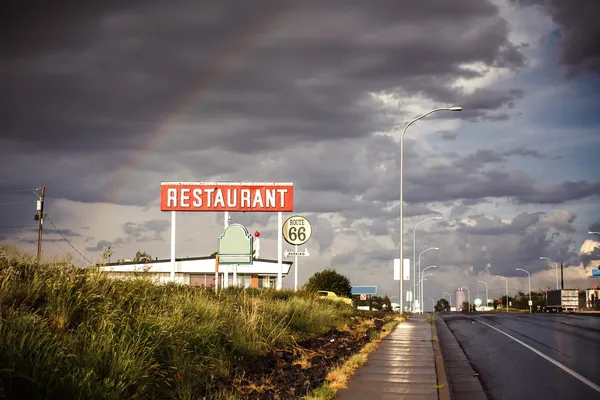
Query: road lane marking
x=568 y=370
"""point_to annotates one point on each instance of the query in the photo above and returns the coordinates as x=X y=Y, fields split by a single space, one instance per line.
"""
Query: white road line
x=552 y=360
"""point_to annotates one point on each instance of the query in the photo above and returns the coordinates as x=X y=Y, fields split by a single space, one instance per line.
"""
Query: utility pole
x=40 y=218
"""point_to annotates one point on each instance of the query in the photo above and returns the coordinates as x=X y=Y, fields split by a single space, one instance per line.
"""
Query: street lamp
x=421 y=284
x=529 y=275
x=419 y=260
x=402 y=182
x=486 y=294
x=421 y=288
x=415 y=248
x=469 y=294
x=449 y=298
x=555 y=269
x=498 y=276
x=432 y=304
x=594 y=233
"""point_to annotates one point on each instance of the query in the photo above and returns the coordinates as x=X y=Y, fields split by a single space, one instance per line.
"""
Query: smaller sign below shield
x=363 y=297
x=235 y=246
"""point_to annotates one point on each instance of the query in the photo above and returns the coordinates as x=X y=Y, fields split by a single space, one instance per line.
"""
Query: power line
x=15 y=202
x=17 y=226
x=18 y=190
x=67 y=240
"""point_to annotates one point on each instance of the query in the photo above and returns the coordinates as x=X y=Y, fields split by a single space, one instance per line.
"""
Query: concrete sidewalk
x=402 y=367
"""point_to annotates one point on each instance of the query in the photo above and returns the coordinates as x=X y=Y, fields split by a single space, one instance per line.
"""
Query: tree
x=142 y=256
x=377 y=303
x=330 y=280
x=387 y=303
x=442 y=305
x=465 y=306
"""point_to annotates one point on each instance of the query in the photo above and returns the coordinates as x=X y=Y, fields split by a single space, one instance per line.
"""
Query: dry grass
x=339 y=377
x=67 y=332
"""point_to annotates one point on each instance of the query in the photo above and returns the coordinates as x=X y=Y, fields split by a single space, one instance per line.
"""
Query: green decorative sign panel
x=235 y=245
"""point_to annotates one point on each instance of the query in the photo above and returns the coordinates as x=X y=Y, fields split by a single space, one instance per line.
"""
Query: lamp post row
x=417 y=281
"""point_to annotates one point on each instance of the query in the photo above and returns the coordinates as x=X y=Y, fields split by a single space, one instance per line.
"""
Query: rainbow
x=222 y=66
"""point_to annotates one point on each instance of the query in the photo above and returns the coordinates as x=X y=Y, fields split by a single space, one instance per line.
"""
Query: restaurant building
x=203 y=271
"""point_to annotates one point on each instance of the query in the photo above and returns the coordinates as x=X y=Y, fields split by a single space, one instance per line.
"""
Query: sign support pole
x=279 y=250
x=296 y=268
x=173 y=226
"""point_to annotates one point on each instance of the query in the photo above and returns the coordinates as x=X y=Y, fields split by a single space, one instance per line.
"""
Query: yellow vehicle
x=332 y=296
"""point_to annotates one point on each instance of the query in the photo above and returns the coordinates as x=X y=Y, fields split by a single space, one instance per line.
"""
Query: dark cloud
x=148 y=231
x=595 y=227
x=101 y=245
x=110 y=75
x=447 y=135
x=580 y=32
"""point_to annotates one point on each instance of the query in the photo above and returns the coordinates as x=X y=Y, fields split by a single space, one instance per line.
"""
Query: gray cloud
x=580 y=41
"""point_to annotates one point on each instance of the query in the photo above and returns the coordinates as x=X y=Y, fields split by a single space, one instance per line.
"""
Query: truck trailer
x=562 y=300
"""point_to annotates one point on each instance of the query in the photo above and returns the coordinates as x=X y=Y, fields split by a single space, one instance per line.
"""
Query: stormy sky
x=103 y=100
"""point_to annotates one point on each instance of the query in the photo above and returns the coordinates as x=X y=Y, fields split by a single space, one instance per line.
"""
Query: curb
x=463 y=381
x=440 y=369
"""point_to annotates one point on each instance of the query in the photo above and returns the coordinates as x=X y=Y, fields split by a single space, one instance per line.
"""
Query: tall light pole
x=415 y=278
x=449 y=298
x=469 y=294
x=402 y=188
x=421 y=284
x=432 y=304
x=486 y=294
x=421 y=288
x=419 y=261
x=529 y=275
x=498 y=276
x=555 y=269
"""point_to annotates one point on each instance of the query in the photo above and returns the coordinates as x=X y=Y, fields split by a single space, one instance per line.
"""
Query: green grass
x=72 y=333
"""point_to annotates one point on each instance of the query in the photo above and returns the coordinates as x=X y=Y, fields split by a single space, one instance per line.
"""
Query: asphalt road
x=568 y=366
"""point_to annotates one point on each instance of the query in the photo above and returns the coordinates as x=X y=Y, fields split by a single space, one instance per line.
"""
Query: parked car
x=325 y=294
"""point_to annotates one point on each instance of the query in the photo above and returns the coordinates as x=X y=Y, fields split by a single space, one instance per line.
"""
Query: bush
x=72 y=333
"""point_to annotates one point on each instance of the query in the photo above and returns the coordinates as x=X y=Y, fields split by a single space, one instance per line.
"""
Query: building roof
x=162 y=260
x=200 y=265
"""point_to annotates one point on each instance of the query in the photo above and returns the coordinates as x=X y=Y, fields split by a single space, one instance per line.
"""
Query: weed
x=68 y=332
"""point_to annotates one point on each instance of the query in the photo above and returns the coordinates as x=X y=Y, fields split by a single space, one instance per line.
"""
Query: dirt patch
x=295 y=373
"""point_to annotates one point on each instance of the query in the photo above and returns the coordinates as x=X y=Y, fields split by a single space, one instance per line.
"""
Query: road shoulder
x=462 y=379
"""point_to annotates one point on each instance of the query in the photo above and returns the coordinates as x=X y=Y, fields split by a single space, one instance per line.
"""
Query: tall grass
x=67 y=332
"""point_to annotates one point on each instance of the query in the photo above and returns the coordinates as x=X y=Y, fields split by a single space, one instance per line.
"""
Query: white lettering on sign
x=172 y=197
x=185 y=197
x=270 y=197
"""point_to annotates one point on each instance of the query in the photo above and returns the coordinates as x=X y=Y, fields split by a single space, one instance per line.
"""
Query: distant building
x=461 y=297
x=202 y=271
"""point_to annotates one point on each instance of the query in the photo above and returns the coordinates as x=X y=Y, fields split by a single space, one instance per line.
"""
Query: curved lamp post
x=421 y=288
x=555 y=269
x=415 y=278
x=449 y=298
x=498 y=276
x=402 y=187
x=486 y=294
x=469 y=294
x=529 y=275
x=421 y=284
x=418 y=287
x=432 y=304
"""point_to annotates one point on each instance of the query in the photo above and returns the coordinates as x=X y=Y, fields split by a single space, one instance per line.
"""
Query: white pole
x=402 y=193
x=449 y=298
x=415 y=256
x=529 y=276
x=173 y=229
x=296 y=269
x=235 y=274
x=279 y=250
x=486 y=294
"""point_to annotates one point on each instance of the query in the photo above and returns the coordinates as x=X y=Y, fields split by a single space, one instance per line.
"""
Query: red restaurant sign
x=227 y=196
